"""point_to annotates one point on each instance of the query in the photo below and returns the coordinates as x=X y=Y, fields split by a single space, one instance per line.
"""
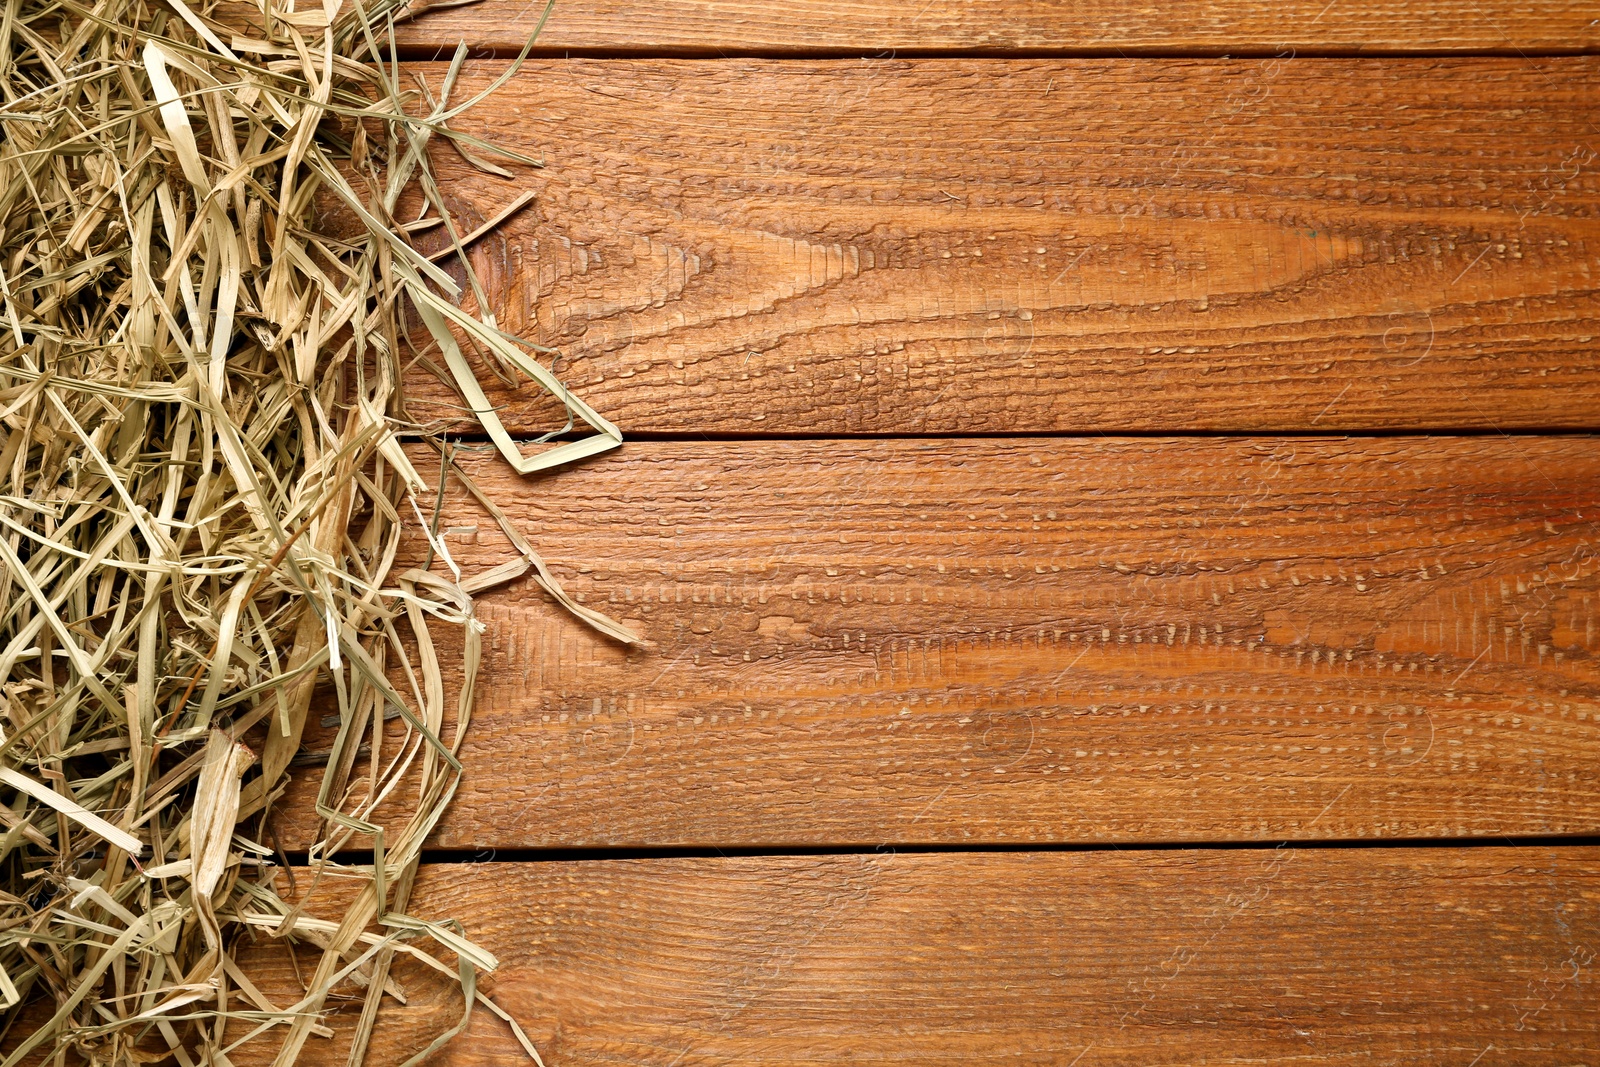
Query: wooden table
x=1109 y=490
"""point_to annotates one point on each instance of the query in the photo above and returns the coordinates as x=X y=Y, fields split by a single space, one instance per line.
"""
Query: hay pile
x=202 y=491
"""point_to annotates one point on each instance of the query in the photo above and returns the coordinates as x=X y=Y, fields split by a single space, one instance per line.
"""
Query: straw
x=204 y=483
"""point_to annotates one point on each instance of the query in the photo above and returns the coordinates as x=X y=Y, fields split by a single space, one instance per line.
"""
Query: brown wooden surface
x=947 y=247
x=1040 y=640
x=1348 y=957
x=867 y=27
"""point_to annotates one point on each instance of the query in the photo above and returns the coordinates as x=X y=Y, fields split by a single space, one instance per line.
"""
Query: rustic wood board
x=1040 y=640
x=949 y=247
x=1324 y=957
x=869 y=27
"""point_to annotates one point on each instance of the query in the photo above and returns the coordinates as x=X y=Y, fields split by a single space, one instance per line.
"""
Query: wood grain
x=1343 y=957
x=1041 y=640
x=946 y=247
x=869 y=27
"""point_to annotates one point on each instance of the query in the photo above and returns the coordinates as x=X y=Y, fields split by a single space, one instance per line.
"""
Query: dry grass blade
x=202 y=495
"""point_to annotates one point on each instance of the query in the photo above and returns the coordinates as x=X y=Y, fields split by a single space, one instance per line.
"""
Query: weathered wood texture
x=1034 y=246
x=1347 y=957
x=1042 y=640
x=872 y=27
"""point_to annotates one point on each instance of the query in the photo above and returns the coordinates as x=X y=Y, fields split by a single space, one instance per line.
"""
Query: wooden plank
x=939 y=247
x=868 y=27
x=1342 y=957
x=1040 y=640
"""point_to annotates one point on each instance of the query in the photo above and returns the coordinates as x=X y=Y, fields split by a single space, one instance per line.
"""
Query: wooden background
x=1110 y=491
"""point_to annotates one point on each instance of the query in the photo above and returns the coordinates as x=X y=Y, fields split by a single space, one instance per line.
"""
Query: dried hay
x=204 y=490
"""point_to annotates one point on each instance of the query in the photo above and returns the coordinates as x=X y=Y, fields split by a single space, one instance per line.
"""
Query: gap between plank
x=592 y=853
x=1085 y=435
x=442 y=52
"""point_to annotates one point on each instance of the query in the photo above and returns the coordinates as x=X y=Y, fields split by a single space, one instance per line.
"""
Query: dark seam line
x=568 y=855
x=478 y=438
x=440 y=53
